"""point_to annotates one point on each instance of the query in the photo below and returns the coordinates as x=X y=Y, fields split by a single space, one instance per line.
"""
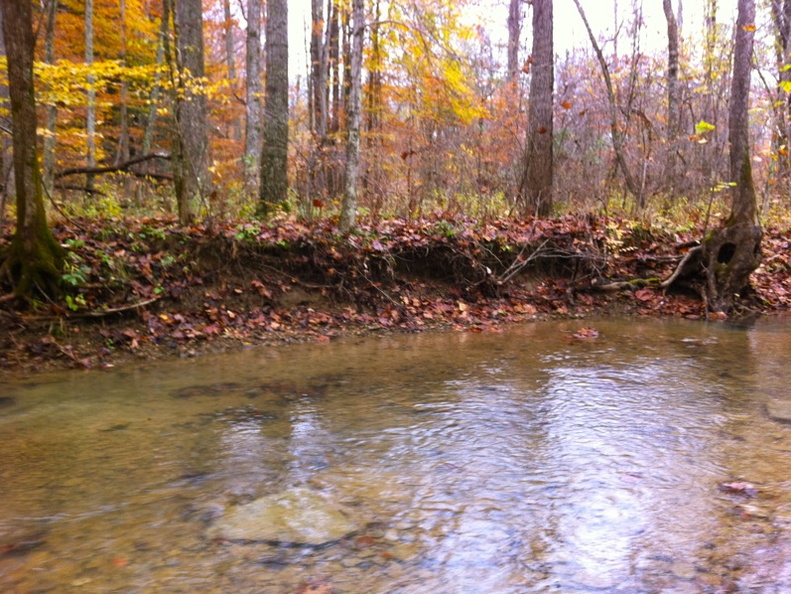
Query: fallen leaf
x=585 y=333
x=739 y=488
x=119 y=562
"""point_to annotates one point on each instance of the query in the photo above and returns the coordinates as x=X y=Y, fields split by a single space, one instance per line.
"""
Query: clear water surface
x=644 y=460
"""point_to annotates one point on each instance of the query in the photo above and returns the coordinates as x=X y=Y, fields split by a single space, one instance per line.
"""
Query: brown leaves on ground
x=156 y=287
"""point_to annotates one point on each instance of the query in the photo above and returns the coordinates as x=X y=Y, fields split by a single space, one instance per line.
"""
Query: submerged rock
x=779 y=410
x=298 y=516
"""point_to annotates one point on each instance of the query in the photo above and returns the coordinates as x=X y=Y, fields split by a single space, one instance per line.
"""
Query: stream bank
x=148 y=289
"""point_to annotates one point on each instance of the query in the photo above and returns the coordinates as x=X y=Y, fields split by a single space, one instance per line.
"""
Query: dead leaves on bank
x=292 y=280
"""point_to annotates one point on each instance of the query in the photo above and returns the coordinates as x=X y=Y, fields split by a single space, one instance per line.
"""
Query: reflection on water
x=518 y=462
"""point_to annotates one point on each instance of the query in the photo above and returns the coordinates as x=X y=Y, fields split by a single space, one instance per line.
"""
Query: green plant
x=147 y=231
x=246 y=232
x=445 y=228
x=75 y=302
x=167 y=260
x=75 y=271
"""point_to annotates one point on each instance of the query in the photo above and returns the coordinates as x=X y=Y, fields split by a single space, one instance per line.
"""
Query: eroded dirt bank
x=149 y=289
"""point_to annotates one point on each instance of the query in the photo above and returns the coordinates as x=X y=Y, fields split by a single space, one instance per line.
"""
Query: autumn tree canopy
x=444 y=109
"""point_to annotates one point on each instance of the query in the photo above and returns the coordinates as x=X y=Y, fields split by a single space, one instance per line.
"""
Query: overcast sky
x=569 y=30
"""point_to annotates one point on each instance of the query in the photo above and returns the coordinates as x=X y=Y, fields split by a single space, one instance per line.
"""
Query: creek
x=655 y=457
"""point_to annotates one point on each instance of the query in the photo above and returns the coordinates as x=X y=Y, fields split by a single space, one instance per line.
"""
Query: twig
x=106 y=312
x=517 y=265
x=57 y=207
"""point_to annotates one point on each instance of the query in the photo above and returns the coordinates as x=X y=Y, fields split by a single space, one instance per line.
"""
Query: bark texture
x=732 y=253
x=90 y=124
x=536 y=192
x=48 y=153
x=514 y=31
x=274 y=158
x=349 y=204
x=673 y=131
x=191 y=169
x=35 y=260
x=253 y=110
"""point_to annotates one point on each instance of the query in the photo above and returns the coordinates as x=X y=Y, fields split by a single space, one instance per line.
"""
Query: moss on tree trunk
x=34 y=260
x=730 y=255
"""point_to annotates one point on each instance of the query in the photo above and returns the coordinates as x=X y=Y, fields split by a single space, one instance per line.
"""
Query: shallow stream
x=644 y=460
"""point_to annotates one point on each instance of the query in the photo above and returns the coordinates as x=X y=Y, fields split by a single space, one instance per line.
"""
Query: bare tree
x=35 y=259
x=536 y=190
x=615 y=130
x=274 y=158
x=353 y=108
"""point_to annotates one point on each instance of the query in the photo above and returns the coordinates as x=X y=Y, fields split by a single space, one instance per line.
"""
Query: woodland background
x=444 y=109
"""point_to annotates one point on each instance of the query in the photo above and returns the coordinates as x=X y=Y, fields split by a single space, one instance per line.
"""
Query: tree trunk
x=156 y=88
x=615 y=131
x=536 y=191
x=353 y=108
x=90 y=126
x=673 y=99
x=230 y=61
x=253 y=111
x=6 y=159
x=372 y=183
x=317 y=103
x=514 y=30
x=193 y=179
x=730 y=254
x=48 y=153
x=35 y=259
x=734 y=252
x=709 y=152
x=781 y=15
x=274 y=158
x=333 y=35
x=123 y=140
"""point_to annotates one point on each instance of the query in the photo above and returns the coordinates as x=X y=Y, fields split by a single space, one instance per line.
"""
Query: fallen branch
x=79 y=189
x=629 y=285
x=110 y=168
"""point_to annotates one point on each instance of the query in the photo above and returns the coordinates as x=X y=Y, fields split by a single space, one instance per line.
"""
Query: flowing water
x=644 y=460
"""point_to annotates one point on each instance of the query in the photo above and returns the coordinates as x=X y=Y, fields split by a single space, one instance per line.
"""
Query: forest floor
x=148 y=289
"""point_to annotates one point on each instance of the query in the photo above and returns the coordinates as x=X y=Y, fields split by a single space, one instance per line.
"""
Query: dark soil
x=148 y=289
